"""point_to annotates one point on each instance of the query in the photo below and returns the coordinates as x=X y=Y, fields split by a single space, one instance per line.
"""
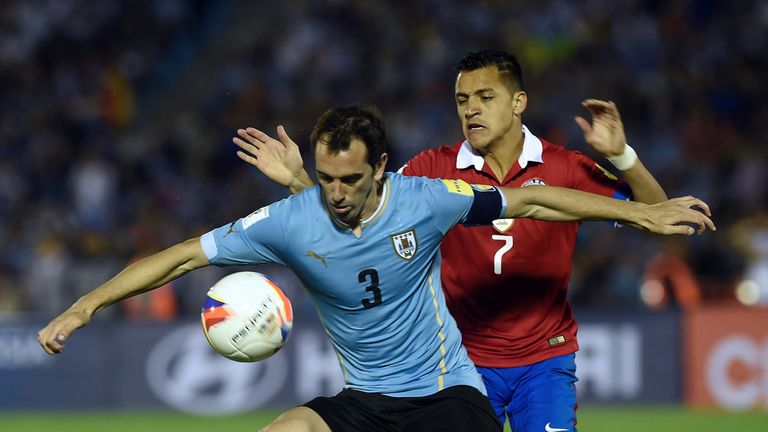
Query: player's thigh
x=545 y=400
x=459 y=408
x=299 y=419
x=499 y=383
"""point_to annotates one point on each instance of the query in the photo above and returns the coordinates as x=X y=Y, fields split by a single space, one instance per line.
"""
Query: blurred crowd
x=116 y=119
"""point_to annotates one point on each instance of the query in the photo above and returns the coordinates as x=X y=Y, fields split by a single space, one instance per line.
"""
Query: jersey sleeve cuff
x=209 y=245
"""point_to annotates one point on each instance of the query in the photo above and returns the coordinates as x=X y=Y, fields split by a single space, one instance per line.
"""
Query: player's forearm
x=552 y=203
x=644 y=186
x=144 y=275
x=300 y=182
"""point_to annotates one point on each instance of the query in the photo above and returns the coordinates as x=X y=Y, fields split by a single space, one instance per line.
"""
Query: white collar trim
x=384 y=197
x=532 y=151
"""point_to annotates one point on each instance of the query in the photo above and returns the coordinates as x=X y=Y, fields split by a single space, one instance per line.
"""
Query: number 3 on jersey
x=502 y=250
x=373 y=288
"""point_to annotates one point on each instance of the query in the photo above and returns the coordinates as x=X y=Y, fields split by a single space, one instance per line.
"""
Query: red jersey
x=506 y=284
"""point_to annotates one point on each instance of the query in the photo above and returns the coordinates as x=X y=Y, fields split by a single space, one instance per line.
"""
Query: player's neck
x=501 y=156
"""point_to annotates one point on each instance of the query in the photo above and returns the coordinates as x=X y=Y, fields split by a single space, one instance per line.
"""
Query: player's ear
x=381 y=164
x=519 y=102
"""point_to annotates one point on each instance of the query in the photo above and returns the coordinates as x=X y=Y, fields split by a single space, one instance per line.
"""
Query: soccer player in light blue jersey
x=366 y=245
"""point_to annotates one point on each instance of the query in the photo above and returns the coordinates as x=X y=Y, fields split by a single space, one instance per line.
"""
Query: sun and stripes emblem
x=405 y=244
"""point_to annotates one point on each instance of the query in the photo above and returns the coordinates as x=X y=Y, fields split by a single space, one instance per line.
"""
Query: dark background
x=116 y=119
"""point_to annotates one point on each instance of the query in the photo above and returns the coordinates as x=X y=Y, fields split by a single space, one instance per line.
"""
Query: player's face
x=489 y=113
x=349 y=182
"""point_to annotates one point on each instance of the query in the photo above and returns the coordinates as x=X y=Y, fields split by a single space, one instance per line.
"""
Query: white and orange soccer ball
x=246 y=317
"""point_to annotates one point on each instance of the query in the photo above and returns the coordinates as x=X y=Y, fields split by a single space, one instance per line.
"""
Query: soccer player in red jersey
x=506 y=284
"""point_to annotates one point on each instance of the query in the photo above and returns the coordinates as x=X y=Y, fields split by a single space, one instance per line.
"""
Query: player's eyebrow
x=478 y=91
x=348 y=177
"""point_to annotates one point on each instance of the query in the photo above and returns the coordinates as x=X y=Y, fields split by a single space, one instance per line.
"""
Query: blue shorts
x=536 y=398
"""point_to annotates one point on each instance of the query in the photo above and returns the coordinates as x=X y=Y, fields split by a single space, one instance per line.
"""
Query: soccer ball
x=246 y=317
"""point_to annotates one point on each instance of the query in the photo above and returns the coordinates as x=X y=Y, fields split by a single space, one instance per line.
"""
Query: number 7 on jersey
x=507 y=239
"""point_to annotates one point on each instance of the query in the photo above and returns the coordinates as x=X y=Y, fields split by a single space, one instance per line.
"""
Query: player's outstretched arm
x=280 y=160
x=675 y=216
x=606 y=135
x=144 y=275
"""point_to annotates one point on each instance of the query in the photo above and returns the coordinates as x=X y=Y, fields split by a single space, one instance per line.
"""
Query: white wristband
x=625 y=160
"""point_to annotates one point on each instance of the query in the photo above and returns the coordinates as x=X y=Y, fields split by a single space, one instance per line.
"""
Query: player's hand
x=280 y=160
x=606 y=133
x=53 y=336
x=685 y=215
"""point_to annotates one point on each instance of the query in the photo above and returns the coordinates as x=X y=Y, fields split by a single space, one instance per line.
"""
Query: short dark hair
x=337 y=127
x=504 y=62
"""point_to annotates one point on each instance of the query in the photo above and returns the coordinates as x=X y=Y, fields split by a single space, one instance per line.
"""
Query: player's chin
x=345 y=218
x=476 y=141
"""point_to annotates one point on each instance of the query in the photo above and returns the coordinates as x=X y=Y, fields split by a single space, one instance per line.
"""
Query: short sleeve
x=587 y=175
x=425 y=164
x=450 y=201
x=254 y=239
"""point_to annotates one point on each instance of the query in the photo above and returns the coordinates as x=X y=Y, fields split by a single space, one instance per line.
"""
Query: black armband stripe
x=489 y=205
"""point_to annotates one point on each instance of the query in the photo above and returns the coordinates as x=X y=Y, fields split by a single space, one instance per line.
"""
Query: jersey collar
x=532 y=150
x=382 y=205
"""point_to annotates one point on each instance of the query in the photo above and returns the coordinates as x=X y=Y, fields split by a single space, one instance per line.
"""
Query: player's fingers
x=586 y=128
x=247 y=158
x=594 y=102
x=42 y=339
x=693 y=202
x=701 y=205
x=699 y=221
x=59 y=340
x=709 y=224
x=282 y=135
x=244 y=135
x=596 y=105
x=695 y=222
x=258 y=135
x=52 y=339
x=246 y=146
x=681 y=230
x=614 y=109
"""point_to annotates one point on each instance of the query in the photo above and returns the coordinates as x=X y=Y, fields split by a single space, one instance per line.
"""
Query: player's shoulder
x=410 y=184
x=442 y=151
x=401 y=181
x=561 y=154
x=436 y=155
x=304 y=201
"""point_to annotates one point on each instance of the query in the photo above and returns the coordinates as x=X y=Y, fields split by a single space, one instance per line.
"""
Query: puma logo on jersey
x=231 y=229
x=315 y=255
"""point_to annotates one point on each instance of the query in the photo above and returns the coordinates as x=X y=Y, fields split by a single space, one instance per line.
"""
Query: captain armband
x=489 y=204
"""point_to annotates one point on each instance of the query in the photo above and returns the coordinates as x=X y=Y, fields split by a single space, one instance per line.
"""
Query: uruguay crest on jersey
x=405 y=244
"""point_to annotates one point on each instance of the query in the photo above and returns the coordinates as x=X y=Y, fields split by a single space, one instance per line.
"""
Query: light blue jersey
x=379 y=296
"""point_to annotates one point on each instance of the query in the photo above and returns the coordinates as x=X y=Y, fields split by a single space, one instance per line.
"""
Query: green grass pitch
x=591 y=419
